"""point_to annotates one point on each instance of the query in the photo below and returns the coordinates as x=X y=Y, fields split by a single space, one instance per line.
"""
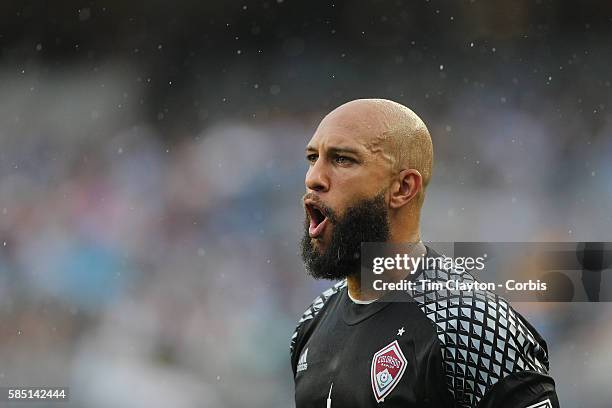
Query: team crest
x=388 y=366
x=543 y=404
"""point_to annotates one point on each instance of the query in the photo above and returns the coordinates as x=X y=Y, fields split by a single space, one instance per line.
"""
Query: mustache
x=324 y=208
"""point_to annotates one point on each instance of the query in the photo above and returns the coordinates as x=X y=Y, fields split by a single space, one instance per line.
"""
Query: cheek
x=349 y=187
x=360 y=185
x=343 y=199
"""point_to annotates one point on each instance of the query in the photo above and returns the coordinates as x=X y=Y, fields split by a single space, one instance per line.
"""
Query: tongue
x=315 y=229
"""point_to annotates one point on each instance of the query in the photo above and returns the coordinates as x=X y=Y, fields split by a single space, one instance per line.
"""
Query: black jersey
x=419 y=349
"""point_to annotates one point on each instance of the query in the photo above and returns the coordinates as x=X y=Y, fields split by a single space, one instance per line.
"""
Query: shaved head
x=369 y=161
x=395 y=132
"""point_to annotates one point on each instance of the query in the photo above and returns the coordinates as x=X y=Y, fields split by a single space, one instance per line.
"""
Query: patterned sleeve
x=483 y=341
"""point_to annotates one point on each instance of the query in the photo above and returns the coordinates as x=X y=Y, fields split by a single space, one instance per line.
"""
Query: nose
x=317 y=178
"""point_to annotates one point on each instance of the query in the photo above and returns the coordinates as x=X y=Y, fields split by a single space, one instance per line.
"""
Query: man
x=370 y=161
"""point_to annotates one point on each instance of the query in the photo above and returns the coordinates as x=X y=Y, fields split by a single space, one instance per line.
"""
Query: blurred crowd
x=142 y=272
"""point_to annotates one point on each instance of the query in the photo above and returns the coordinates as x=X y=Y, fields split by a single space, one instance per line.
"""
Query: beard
x=365 y=221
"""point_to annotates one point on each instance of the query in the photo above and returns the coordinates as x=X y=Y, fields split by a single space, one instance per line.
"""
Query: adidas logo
x=302 y=364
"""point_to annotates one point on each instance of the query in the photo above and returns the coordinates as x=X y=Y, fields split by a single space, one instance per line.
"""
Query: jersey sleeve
x=491 y=355
x=525 y=389
x=307 y=317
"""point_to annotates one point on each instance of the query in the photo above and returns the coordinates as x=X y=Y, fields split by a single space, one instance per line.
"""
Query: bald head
x=368 y=157
x=392 y=130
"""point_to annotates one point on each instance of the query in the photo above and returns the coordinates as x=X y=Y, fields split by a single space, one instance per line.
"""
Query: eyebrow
x=337 y=150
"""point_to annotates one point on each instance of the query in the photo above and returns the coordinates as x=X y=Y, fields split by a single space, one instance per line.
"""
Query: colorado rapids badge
x=388 y=366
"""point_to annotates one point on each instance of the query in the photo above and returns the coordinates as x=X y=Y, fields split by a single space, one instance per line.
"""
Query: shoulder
x=315 y=307
x=482 y=338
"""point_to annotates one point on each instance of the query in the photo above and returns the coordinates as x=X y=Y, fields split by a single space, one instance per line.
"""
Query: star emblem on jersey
x=388 y=366
x=400 y=332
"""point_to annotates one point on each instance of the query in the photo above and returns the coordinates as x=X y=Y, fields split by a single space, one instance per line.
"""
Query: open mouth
x=318 y=220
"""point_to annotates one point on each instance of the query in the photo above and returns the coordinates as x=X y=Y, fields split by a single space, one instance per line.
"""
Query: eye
x=343 y=160
x=312 y=157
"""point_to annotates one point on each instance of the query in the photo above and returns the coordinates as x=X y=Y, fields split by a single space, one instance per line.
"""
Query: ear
x=406 y=187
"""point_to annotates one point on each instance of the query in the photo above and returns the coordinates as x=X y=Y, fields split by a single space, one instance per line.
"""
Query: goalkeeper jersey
x=421 y=349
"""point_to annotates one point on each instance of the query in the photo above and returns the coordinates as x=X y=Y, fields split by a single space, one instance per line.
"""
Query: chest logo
x=388 y=366
x=302 y=363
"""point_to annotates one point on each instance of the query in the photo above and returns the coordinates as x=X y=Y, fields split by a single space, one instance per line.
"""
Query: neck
x=357 y=292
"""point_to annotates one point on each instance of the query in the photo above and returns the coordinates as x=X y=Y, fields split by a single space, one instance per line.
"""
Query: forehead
x=361 y=131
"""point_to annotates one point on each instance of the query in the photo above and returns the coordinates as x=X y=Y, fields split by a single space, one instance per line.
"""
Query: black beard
x=366 y=221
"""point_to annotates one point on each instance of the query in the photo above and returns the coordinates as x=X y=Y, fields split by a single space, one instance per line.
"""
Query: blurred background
x=151 y=169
